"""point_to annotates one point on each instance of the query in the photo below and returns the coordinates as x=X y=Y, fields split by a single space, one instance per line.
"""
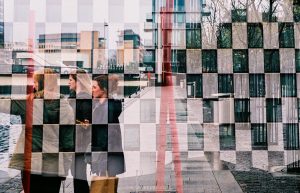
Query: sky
x=57 y=16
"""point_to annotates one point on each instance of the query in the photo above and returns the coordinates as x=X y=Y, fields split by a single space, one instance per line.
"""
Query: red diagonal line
x=29 y=108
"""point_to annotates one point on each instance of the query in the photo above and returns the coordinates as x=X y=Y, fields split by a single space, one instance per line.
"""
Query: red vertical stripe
x=29 y=108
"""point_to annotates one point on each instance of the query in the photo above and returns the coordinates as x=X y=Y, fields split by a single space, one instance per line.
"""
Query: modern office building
x=241 y=65
x=129 y=51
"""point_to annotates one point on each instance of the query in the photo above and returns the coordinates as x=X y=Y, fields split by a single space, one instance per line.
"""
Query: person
x=45 y=166
x=80 y=90
x=105 y=116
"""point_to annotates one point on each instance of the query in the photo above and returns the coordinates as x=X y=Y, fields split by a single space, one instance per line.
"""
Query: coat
x=52 y=136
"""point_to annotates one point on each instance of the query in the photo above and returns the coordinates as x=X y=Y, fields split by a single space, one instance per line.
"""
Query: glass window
x=271 y=61
x=179 y=61
x=224 y=38
x=270 y=11
x=194 y=85
x=5 y=89
x=209 y=61
x=227 y=137
x=67 y=138
x=242 y=110
x=288 y=85
x=225 y=84
x=179 y=17
x=274 y=113
x=239 y=15
x=291 y=136
x=297 y=60
x=257 y=85
x=240 y=61
x=193 y=35
x=179 y=5
x=208 y=111
x=286 y=35
x=37 y=138
x=195 y=137
x=255 y=35
x=259 y=137
x=296 y=10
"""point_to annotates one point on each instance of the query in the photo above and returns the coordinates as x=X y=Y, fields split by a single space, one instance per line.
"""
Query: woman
x=80 y=87
x=105 y=114
x=42 y=164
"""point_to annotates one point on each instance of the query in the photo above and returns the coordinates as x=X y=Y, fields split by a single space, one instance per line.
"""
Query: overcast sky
x=57 y=16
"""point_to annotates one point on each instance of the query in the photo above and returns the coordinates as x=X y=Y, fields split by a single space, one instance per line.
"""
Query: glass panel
x=239 y=15
x=271 y=61
x=286 y=35
x=179 y=61
x=194 y=85
x=225 y=83
x=274 y=113
x=255 y=35
x=297 y=60
x=291 y=136
x=240 y=61
x=209 y=60
x=257 y=85
x=259 y=137
x=208 y=111
x=225 y=36
x=288 y=85
x=242 y=110
x=193 y=35
x=227 y=137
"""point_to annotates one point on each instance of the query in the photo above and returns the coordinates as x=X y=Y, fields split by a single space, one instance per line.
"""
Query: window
x=297 y=60
x=255 y=35
x=37 y=138
x=194 y=85
x=242 y=110
x=270 y=11
x=257 y=85
x=179 y=5
x=291 y=136
x=193 y=35
x=271 y=61
x=208 y=111
x=286 y=35
x=209 y=61
x=179 y=18
x=288 y=85
x=259 y=137
x=227 y=137
x=67 y=138
x=179 y=61
x=274 y=113
x=224 y=38
x=225 y=83
x=296 y=10
x=240 y=61
x=239 y=15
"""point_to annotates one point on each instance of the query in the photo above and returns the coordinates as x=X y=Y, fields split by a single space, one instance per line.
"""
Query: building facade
x=239 y=63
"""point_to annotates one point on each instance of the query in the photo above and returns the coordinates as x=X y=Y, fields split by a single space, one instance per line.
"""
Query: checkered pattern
x=209 y=122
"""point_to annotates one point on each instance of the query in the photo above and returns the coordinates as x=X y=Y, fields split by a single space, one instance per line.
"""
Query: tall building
x=241 y=66
x=129 y=51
